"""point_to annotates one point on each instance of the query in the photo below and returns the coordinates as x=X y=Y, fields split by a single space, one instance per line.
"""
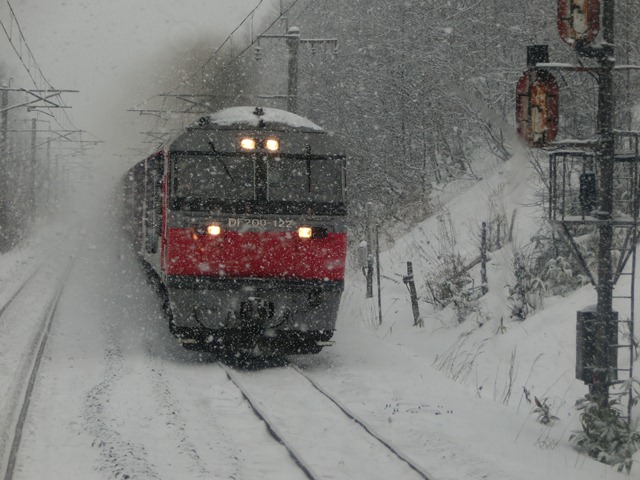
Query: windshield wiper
x=224 y=165
x=226 y=169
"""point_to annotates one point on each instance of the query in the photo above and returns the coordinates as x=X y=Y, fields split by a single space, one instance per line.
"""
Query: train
x=242 y=219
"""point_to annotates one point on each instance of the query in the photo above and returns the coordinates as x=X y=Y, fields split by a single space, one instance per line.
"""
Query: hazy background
x=119 y=53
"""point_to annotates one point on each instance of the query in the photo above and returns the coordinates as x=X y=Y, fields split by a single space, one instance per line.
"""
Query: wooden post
x=483 y=259
x=411 y=285
x=369 y=240
x=378 y=277
x=5 y=240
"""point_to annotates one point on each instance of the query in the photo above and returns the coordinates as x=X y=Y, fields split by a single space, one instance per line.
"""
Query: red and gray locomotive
x=242 y=219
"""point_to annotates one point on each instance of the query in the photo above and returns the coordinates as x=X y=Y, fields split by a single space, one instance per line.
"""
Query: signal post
x=595 y=166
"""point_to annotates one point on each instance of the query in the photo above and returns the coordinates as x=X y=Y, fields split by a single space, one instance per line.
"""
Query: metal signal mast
x=593 y=183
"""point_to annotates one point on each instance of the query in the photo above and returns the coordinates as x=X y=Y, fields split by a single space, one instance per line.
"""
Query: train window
x=209 y=177
x=153 y=202
x=305 y=180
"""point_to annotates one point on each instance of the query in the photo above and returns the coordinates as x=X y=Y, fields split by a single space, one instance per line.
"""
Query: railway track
x=325 y=439
x=27 y=367
x=322 y=436
x=19 y=290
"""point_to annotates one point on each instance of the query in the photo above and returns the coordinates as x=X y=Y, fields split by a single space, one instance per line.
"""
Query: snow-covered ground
x=118 y=397
x=116 y=394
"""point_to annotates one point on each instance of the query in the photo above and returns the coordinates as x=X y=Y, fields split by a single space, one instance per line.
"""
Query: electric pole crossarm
x=194 y=108
x=60 y=134
x=330 y=41
x=154 y=137
x=15 y=130
x=44 y=99
x=40 y=96
x=65 y=134
x=568 y=67
x=30 y=90
x=32 y=104
x=275 y=36
x=192 y=103
x=574 y=68
x=559 y=147
x=147 y=111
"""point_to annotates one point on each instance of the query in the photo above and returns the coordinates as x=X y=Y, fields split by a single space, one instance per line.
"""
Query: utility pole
x=37 y=99
x=46 y=197
x=602 y=373
x=31 y=199
x=294 y=40
x=4 y=138
x=47 y=99
x=199 y=103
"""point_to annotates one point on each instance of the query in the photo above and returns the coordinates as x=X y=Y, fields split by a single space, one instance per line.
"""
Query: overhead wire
x=14 y=18
x=228 y=40
x=34 y=65
x=253 y=42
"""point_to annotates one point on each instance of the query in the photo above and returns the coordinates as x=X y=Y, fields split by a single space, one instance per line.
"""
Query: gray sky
x=119 y=52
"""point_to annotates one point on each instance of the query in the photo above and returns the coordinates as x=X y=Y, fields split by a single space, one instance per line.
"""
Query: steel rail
x=271 y=428
x=368 y=428
x=48 y=320
x=14 y=296
x=352 y=416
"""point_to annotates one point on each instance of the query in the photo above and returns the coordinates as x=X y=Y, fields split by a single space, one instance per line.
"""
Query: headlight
x=272 y=144
x=305 y=232
x=313 y=232
x=261 y=144
x=214 y=230
x=248 y=144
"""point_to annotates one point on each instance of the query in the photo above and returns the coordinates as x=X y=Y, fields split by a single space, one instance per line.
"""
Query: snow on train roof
x=253 y=115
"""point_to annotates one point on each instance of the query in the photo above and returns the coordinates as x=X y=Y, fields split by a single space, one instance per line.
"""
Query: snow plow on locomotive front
x=242 y=219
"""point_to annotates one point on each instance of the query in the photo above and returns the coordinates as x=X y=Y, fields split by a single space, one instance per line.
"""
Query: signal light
x=578 y=21
x=537 y=107
x=537 y=96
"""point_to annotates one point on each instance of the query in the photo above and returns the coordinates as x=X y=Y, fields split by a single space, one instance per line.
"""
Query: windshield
x=304 y=180
x=265 y=184
x=206 y=176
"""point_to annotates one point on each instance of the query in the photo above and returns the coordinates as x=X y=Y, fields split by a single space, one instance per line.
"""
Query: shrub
x=559 y=278
x=528 y=290
x=543 y=410
x=606 y=435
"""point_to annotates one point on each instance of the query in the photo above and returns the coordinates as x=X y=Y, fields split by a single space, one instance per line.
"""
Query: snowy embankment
x=461 y=395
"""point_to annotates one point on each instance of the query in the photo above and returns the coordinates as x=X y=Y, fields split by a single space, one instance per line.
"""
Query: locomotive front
x=254 y=241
